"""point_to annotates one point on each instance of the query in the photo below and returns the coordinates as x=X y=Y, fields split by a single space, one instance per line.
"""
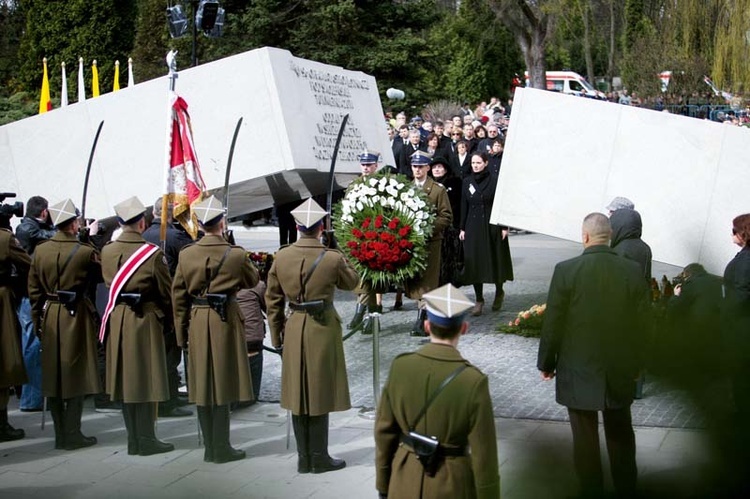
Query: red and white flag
x=184 y=183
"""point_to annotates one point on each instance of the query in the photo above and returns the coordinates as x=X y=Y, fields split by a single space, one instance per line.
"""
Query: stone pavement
x=534 y=442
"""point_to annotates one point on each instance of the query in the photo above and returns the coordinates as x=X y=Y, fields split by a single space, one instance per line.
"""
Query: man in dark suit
x=590 y=337
x=414 y=145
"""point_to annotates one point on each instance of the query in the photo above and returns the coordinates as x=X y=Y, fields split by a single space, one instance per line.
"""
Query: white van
x=570 y=82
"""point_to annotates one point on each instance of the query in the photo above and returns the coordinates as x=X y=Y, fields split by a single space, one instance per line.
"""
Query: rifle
x=329 y=240
x=83 y=232
x=228 y=234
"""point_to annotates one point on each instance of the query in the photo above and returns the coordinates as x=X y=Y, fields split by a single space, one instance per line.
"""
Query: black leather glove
x=329 y=239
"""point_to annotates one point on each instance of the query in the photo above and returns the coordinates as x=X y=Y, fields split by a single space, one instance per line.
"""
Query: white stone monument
x=567 y=156
x=291 y=110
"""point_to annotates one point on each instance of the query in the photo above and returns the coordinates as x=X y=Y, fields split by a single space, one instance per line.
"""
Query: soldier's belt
x=217 y=302
x=68 y=299
x=134 y=301
x=415 y=443
x=312 y=307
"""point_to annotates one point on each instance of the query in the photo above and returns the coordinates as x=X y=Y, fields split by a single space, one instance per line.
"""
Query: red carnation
x=378 y=221
x=393 y=224
x=371 y=234
x=352 y=244
x=404 y=231
x=366 y=223
x=357 y=233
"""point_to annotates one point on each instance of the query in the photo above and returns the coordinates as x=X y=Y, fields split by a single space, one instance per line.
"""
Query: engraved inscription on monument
x=333 y=93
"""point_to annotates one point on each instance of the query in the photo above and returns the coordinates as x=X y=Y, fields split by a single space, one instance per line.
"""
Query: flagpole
x=116 y=85
x=64 y=90
x=131 y=81
x=81 y=85
x=172 y=78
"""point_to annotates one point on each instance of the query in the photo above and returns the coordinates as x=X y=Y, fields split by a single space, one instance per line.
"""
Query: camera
x=10 y=210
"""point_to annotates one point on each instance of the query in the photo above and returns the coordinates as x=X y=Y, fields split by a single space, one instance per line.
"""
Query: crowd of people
x=434 y=431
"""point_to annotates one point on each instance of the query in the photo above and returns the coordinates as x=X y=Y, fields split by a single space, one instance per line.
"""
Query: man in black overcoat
x=596 y=309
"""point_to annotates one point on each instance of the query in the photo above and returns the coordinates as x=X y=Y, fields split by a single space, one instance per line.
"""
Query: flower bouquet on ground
x=383 y=224
x=527 y=323
x=262 y=261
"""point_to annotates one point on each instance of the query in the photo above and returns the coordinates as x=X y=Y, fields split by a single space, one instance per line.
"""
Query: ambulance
x=570 y=82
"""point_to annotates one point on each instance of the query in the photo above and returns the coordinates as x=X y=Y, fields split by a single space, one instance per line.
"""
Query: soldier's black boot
x=418 y=328
x=148 y=444
x=223 y=451
x=56 y=409
x=7 y=432
x=359 y=316
x=131 y=426
x=207 y=428
x=302 y=436
x=74 y=439
x=320 y=460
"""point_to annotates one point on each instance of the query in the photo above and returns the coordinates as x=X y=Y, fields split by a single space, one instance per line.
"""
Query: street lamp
x=208 y=15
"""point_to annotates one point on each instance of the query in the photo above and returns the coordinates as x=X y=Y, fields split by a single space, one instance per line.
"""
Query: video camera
x=10 y=210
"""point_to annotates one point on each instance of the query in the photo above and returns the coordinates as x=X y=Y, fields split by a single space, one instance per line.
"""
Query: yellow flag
x=45 y=102
x=116 y=86
x=94 y=80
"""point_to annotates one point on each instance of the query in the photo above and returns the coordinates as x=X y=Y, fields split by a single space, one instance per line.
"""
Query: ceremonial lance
x=228 y=234
x=328 y=238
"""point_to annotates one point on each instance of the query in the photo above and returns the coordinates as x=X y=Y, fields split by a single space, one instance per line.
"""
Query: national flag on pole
x=184 y=183
x=94 y=80
x=81 y=86
x=116 y=86
x=45 y=102
x=130 y=72
x=64 y=90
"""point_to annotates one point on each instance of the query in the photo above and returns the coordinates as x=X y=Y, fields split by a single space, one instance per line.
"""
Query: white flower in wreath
x=400 y=186
x=360 y=206
x=421 y=204
x=376 y=199
x=391 y=202
x=373 y=181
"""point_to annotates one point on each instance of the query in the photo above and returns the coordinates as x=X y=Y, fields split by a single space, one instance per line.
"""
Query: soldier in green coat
x=62 y=280
x=139 y=310
x=208 y=323
x=14 y=264
x=438 y=197
x=313 y=372
x=464 y=464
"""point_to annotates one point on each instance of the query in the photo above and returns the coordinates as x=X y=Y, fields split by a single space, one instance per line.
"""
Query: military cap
x=308 y=214
x=416 y=118
x=130 y=211
x=447 y=305
x=209 y=210
x=620 y=203
x=63 y=211
x=421 y=158
x=368 y=157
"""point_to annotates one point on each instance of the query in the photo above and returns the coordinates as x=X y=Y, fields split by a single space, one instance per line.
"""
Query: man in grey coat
x=595 y=311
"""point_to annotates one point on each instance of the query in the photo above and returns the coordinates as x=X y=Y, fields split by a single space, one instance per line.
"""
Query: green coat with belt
x=218 y=373
x=13 y=259
x=430 y=278
x=460 y=415
x=136 y=363
x=313 y=371
x=69 y=349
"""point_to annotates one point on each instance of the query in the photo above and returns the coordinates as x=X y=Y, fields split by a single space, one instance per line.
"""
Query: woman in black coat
x=451 y=251
x=486 y=248
x=735 y=316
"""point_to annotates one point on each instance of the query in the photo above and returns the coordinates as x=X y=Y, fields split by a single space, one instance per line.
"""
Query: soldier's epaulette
x=438 y=185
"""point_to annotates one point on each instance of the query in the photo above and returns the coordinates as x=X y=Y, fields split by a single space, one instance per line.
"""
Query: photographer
x=34 y=228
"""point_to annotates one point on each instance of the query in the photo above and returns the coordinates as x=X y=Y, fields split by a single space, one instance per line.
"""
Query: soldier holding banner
x=63 y=276
x=209 y=324
x=138 y=312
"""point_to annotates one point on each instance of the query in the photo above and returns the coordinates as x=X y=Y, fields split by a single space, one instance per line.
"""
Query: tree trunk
x=612 y=38
x=585 y=9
